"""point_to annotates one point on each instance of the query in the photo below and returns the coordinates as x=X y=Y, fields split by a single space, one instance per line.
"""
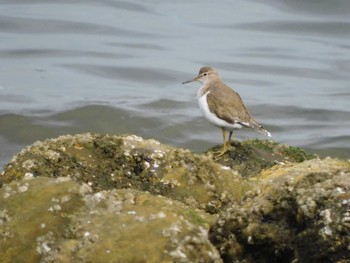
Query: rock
x=103 y=198
x=251 y=157
x=297 y=213
x=58 y=220
x=114 y=162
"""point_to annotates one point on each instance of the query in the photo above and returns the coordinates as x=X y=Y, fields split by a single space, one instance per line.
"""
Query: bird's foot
x=229 y=146
x=218 y=154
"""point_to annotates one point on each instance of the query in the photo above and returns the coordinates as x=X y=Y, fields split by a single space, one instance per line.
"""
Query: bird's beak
x=191 y=80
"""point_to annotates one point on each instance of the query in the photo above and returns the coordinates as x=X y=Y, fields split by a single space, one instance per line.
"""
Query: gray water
x=116 y=67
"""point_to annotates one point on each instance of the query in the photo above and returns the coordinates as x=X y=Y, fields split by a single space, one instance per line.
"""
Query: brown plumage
x=229 y=106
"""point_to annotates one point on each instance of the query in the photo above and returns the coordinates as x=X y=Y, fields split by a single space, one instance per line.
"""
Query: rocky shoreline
x=104 y=198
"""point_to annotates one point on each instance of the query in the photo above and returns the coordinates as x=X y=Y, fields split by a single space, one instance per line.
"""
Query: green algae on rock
x=116 y=162
x=297 y=213
x=58 y=220
x=252 y=156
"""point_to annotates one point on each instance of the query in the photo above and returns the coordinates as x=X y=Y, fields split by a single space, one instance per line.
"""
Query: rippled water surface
x=116 y=67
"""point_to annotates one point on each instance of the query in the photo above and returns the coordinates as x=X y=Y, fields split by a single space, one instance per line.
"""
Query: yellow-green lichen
x=57 y=220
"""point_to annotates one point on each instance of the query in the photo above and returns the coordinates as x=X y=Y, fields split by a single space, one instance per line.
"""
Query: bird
x=222 y=106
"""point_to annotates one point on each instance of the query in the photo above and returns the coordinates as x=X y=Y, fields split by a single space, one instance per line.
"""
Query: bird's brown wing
x=228 y=104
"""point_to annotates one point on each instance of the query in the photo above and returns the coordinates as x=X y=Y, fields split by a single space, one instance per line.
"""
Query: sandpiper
x=223 y=106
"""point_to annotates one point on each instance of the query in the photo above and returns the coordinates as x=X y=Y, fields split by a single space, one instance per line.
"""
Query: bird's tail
x=260 y=129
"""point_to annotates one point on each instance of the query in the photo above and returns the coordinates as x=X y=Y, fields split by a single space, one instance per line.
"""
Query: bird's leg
x=224 y=138
x=226 y=146
x=228 y=143
x=224 y=149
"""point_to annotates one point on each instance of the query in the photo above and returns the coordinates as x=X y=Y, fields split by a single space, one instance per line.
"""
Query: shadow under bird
x=223 y=106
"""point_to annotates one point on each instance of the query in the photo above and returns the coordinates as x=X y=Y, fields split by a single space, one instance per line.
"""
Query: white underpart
x=213 y=119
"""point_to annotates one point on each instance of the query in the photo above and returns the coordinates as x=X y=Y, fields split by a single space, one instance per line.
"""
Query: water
x=117 y=66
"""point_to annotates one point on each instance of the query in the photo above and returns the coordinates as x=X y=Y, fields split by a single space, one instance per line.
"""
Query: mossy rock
x=100 y=198
x=58 y=220
x=118 y=162
x=297 y=213
x=252 y=156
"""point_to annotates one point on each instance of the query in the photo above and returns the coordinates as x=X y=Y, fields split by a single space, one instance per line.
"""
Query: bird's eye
x=205 y=74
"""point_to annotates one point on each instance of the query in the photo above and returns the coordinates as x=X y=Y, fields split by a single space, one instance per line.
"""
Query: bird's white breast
x=213 y=119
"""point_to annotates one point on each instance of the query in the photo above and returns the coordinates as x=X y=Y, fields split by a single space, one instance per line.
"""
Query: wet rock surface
x=297 y=213
x=103 y=198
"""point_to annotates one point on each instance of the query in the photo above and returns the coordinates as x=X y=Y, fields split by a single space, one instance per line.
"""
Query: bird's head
x=205 y=75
